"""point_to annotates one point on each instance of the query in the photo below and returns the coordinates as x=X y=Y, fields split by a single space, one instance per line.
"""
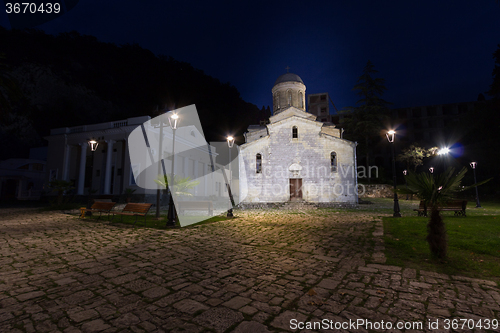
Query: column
x=205 y=178
x=109 y=154
x=67 y=153
x=81 y=175
x=195 y=176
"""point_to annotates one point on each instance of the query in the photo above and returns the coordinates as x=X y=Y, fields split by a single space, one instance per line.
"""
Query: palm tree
x=434 y=190
x=181 y=185
x=60 y=186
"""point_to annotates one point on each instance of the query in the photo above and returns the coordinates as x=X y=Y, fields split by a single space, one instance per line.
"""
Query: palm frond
x=434 y=189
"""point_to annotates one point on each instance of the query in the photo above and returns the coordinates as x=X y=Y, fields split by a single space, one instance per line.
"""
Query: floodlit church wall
x=255 y=135
x=330 y=130
x=311 y=152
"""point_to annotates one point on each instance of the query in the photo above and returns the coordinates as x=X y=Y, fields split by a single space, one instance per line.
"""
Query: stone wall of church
x=311 y=152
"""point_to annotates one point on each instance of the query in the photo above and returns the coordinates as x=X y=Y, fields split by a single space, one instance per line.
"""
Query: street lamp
x=173 y=120
x=161 y=165
x=405 y=172
x=93 y=147
x=443 y=151
x=391 y=135
x=473 y=166
x=431 y=169
x=230 y=143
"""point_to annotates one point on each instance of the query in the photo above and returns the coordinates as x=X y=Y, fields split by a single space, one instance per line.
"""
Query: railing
x=78 y=129
x=30 y=195
x=117 y=124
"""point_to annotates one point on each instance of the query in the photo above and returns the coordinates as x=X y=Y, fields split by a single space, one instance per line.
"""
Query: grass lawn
x=473 y=242
x=151 y=221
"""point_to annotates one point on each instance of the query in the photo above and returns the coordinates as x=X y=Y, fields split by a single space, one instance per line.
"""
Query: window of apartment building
x=323 y=97
x=431 y=111
x=323 y=110
x=462 y=108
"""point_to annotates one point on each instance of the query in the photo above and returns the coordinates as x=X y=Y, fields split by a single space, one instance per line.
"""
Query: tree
x=364 y=122
x=414 y=156
x=9 y=89
x=495 y=86
x=60 y=186
x=436 y=189
x=181 y=185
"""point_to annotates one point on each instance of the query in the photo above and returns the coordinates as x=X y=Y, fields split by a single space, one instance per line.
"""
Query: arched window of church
x=276 y=101
x=333 y=161
x=258 y=159
x=295 y=132
x=301 y=99
x=289 y=97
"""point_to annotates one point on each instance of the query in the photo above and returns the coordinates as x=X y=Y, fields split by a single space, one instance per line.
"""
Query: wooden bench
x=196 y=205
x=457 y=206
x=98 y=207
x=135 y=209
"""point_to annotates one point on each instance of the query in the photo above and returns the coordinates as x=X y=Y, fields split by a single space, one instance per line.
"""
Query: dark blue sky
x=429 y=52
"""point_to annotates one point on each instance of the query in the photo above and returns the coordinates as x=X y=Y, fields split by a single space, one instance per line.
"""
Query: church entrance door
x=295 y=189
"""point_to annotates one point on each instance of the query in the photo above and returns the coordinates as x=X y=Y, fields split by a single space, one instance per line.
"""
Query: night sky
x=429 y=52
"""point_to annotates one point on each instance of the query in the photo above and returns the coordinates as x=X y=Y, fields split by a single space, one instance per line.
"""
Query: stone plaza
x=263 y=271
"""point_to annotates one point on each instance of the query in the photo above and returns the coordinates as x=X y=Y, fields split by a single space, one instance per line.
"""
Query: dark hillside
x=73 y=79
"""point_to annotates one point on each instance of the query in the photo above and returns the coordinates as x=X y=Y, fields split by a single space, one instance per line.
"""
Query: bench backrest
x=103 y=205
x=137 y=207
x=462 y=204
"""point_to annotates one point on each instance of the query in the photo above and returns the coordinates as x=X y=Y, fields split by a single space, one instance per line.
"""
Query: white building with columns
x=69 y=158
x=295 y=157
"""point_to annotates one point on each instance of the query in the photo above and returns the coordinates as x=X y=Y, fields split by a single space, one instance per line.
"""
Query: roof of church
x=287 y=77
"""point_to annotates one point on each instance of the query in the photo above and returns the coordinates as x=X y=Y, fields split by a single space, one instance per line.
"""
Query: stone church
x=294 y=157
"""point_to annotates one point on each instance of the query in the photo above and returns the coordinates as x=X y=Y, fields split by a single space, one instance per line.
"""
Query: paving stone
x=30 y=295
x=126 y=320
x=97 y=325
x=155 y=292
x=253 y=273
x=284 y=320
x=251 y=327
x=83 y=315
x=237 y=302
x=328 y=284
x=219 y=319
x=189 y=306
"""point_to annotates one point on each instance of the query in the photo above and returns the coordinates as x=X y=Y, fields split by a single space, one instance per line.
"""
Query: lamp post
x=390 y=137
x=161 y=166
x=444 y=151
x=431 y=169
x=173 y=120
x=405 y=172
x=230 y=143
x=473 y=166
x=93 y=147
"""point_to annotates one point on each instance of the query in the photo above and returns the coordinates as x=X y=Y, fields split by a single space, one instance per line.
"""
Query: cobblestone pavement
x=255 y=273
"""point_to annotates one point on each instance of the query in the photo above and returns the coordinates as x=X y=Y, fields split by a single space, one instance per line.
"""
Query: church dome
x=288 y=77
x=288 y=90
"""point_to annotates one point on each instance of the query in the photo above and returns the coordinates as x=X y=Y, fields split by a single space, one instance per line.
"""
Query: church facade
x=295 y=157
